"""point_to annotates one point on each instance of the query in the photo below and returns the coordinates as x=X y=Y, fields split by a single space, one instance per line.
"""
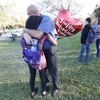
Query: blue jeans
x=83 y=47
x=98 y=47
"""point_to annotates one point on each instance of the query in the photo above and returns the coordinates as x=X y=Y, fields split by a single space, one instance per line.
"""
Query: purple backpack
x=90 y=37
x=32 y=53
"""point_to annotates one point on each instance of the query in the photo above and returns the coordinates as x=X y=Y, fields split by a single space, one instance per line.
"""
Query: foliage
x=7 y=19
x=97 y=11
x=53 y=6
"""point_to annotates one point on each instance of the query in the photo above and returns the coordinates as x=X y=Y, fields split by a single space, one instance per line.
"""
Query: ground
x=79 y=81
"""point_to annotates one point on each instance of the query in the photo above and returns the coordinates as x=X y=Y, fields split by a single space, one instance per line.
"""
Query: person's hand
x=27 y=38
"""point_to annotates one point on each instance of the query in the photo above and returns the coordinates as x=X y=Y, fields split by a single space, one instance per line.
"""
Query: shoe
x=94 y=56
x=54 y=91
x=44 y=93
x=34 y=92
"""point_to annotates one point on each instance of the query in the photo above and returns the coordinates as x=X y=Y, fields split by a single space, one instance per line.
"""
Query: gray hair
x=32 y=10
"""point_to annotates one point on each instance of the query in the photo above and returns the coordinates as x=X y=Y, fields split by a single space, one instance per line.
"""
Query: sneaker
x=44 y=93
x=34 y=92
x=94 y=56
x=54 y=91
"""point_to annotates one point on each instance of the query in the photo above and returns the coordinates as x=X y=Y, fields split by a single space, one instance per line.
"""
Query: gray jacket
x=97 y=31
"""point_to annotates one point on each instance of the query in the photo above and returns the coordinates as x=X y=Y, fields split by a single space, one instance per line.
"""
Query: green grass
x=78 y=80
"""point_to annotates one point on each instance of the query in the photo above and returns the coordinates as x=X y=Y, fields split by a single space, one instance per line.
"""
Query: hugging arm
x=52 y=40
x=33 y=33
x=39 y=34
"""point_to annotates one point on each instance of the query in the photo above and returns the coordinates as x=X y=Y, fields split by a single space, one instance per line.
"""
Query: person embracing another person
x=40 y=26
x=33 y=54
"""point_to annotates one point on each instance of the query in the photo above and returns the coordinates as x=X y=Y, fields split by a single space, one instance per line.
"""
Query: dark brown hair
x=88 y=19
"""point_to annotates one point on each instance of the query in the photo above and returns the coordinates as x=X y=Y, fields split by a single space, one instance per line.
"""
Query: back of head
x=33 y=22
x=88 y=20
x=32 y=10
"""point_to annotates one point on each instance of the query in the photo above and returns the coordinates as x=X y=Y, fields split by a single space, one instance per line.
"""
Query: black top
x=33 y=22
x=85 y=32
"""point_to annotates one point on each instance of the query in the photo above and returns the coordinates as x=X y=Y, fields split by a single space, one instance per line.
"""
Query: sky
x=88 y=5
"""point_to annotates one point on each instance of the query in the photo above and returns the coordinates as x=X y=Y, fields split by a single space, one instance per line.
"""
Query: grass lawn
x=78 y=80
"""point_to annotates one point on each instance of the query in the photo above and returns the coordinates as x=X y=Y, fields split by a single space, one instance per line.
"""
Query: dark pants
x=98 y=47
x=52 y=65
x=32 y=78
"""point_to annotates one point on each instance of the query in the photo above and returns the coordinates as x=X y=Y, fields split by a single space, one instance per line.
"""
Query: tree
x=53 y=6
x=96 y=14
x=5 y=17
x=97 y=11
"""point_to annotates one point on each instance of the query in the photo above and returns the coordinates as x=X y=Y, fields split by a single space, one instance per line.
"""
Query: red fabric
x=66 y=25
x=43 y=63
